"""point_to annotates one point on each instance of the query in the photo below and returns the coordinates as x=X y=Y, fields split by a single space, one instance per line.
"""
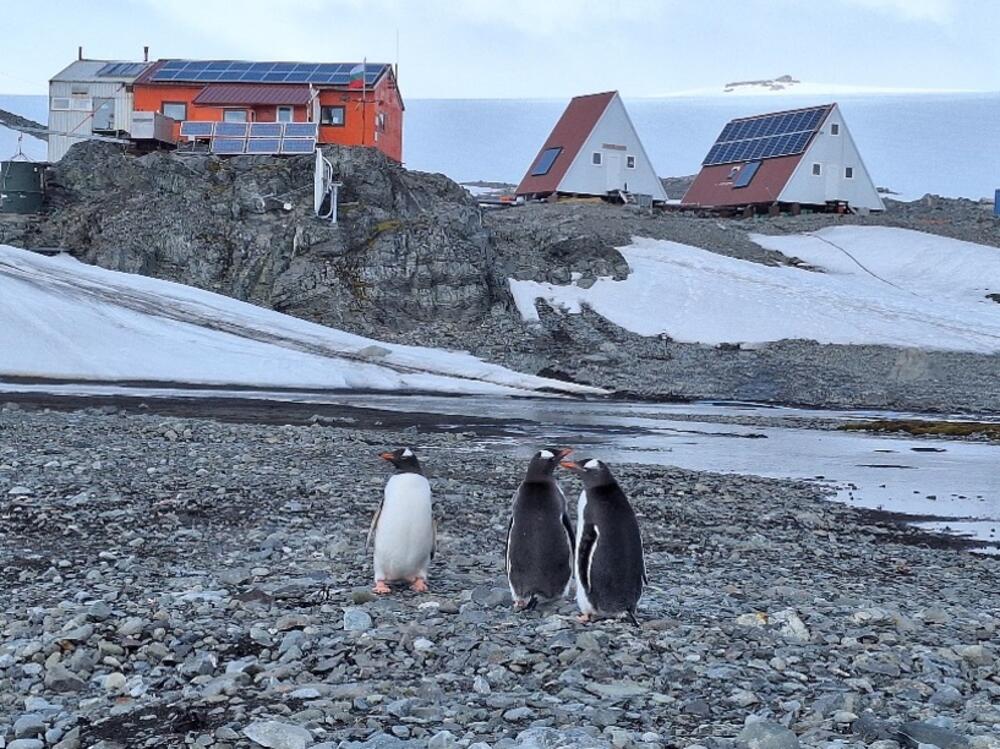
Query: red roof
x=253 y=94
x=570 y=133
x=714 y=187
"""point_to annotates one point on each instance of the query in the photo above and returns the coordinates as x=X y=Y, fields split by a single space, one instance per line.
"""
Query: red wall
x=359 y=117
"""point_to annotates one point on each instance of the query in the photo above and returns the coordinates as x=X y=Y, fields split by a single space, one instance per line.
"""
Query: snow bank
x=902 y=288
x=60 y=318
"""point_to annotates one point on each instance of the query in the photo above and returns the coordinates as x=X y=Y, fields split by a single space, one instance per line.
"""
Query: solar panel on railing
x=263 y=145
x=265 y=130
x=192 y=129
x=300 y=130
x=231 y=129
x=298 y=145
x=228 y=146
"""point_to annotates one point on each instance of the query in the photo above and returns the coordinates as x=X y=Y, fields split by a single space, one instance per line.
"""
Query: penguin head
x=404 y=460
x=544 y=462
x=591 y=471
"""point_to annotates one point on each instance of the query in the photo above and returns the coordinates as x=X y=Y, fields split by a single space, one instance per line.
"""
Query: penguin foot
x=585 y=618
x=381 y=587
x=419 y=584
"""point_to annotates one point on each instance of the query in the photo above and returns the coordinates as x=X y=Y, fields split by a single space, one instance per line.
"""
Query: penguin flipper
x=374 y=525
x=434 y=537
x=585 y=554
x=569 y=532
x=506 y=556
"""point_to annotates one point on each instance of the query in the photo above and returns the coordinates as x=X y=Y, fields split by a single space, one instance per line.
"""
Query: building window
x=79 y=90
x=284 y=114
x=331 y=116
x=630 y=162
x=380 y=120
x=234 y=115
x=817 y=169
x=545 y=161
x=848 y=172
x=175 y=110
x=834 y=128
x=60 y=104
x=597 y=159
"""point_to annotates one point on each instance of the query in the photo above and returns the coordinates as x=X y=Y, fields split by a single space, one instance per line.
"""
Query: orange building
x=354 y=104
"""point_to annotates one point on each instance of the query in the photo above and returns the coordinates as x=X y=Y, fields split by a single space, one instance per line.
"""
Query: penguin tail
x=630 y=614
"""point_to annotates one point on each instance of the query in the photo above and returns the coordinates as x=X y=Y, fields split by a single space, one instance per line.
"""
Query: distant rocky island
x=781 y=83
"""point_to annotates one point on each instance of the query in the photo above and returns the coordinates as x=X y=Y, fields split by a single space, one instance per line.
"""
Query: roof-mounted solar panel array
x=236 y=71
x=766 y=137
x=121 y=69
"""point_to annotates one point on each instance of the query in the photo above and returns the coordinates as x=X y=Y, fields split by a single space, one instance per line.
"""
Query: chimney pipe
x=79 y=52
x=145 y=54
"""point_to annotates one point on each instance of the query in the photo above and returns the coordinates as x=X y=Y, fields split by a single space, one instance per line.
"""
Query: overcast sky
x=533 y=48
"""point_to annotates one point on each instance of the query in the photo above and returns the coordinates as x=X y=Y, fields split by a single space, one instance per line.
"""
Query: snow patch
x=873 y=285
x=64 y=319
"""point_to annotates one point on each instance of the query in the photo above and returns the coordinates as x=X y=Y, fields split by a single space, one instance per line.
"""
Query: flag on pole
x=357 y=77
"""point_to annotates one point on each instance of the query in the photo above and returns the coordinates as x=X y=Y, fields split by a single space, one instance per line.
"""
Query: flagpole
x=364 y=101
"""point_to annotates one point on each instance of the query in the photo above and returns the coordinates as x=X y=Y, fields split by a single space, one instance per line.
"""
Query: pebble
x=766 y=735
x=277 y=735
x=357 y=620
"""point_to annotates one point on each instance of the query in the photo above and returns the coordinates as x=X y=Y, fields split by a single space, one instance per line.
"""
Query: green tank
x=22 y=186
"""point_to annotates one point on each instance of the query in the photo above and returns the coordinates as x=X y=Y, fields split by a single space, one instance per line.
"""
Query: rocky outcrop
x=408 y=249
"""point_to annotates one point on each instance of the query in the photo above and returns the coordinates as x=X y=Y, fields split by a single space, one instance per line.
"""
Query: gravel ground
x=177 y=582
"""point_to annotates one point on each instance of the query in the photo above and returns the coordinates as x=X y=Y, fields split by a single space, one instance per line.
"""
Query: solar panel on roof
x=300 y=130
x=765 y=137
x=298 y=145
x=228 y=146
x=191 y=129
x=263 y=72
x=545 y=161
x=121 y=69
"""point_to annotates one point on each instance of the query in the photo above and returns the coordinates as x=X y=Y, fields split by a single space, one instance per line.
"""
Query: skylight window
x=545 y=161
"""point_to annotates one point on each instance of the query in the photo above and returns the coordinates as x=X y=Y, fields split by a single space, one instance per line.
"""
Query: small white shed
x=594 y=149
x=90 y=97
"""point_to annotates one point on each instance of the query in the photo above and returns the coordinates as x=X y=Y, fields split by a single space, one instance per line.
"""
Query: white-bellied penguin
x=610 y=568
x=539 y=537
x=403 y=527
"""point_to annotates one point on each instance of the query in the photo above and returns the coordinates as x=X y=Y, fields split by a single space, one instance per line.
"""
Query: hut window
x=60 y=104
x=630 y=162
x=597 y=159
x=79 y=90
x=284 y=114
x=817 y=169
x=545 y=161
x=234 y=115
x=175 y=110
x=834 y=128
x=331 y=116
x=848 y=172
x=380 y=120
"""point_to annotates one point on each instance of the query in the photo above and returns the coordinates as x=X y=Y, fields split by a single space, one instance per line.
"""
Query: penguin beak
x=570 y=465
x=564 y=452
x=387 y=456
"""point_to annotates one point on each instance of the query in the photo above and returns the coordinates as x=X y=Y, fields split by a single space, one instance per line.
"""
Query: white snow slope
x=60 y=318
x=877 y=286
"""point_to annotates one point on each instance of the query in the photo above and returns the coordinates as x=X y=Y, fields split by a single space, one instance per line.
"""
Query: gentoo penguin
x=539 y=537
x=610 y=568
x=403 y=527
